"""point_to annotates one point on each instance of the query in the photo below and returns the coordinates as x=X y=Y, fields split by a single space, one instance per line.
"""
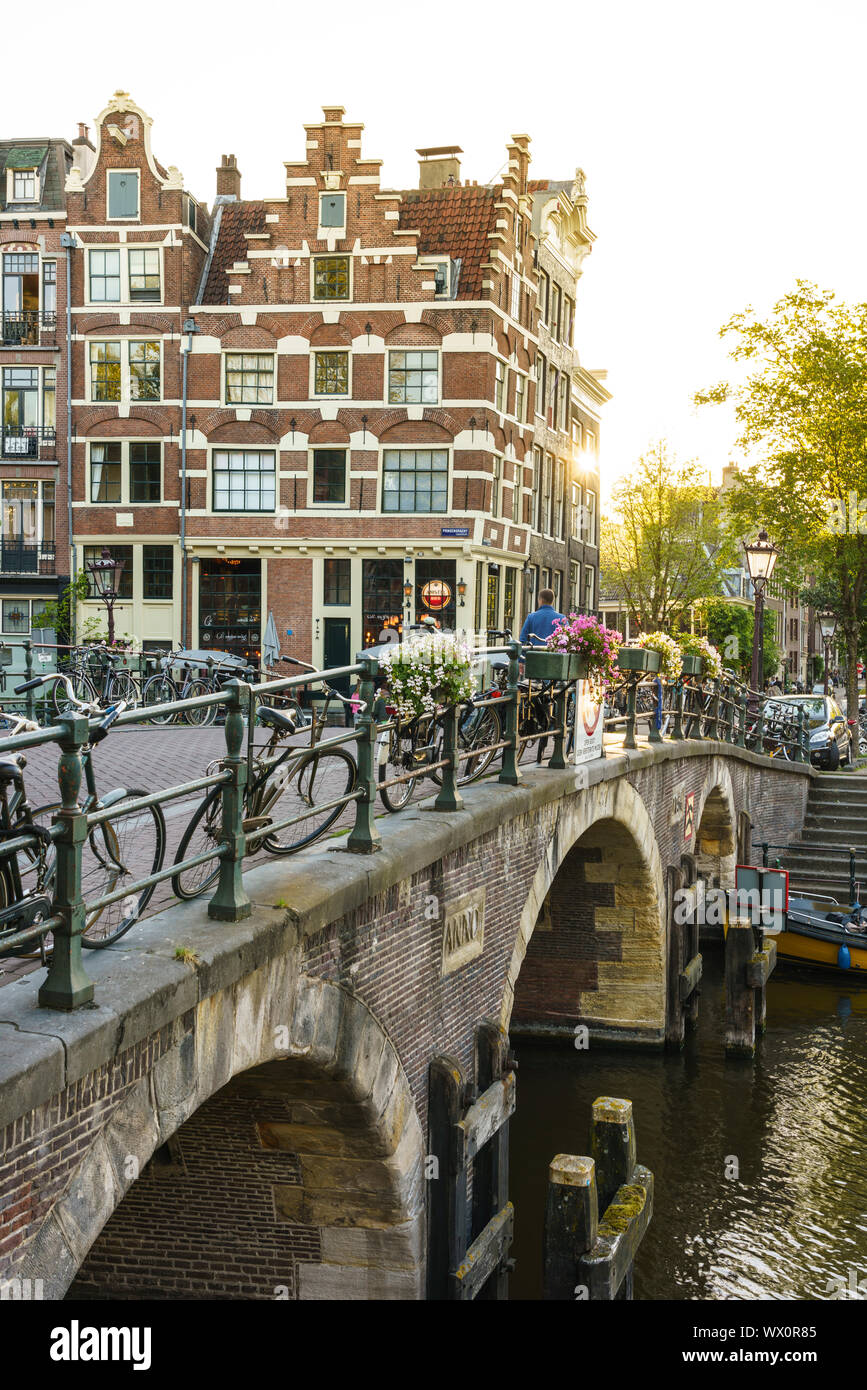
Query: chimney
x=229 y=179
x=439 y=166
x=83 y=150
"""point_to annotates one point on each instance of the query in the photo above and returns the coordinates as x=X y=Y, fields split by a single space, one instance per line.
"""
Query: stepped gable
x=236 y=219
x=455 y=222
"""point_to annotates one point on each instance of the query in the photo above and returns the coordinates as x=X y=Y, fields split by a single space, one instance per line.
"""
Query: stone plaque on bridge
x=463 y=930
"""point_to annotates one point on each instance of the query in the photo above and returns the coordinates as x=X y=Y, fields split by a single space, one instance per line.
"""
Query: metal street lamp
x=828 y=629
x=761 y=558
x=105 y=574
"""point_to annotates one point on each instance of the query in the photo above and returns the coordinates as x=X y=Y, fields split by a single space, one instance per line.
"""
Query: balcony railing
x=27 y=327
x=28 y=441
x=20 y=557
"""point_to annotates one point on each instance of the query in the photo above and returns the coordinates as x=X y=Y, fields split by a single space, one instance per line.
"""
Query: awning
x=26 y=156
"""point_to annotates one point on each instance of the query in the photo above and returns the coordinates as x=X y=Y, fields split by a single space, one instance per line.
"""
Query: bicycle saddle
x=276 y=719
x=10 y=770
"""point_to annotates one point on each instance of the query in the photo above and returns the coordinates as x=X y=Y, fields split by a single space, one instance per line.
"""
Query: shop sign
x=454 y=530
x=436 y=594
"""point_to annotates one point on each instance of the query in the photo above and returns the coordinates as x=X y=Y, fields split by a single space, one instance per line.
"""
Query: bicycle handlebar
x=85 y=706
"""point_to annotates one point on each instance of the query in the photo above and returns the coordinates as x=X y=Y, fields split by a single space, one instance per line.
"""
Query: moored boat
x=823 y=933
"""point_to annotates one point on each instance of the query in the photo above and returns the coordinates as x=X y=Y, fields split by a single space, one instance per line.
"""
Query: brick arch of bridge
x=286 y=1161
x=716 y=821
x=591 y=941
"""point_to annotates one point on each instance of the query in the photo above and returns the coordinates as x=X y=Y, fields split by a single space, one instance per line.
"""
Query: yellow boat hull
x=809 y=950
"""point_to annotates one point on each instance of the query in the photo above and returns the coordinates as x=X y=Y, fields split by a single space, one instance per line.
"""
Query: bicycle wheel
x=81 y=684
x=203 y=833
x=321 y=777
x=158 y=690
x=205 y=714
x=122 y=686
x=476 y=729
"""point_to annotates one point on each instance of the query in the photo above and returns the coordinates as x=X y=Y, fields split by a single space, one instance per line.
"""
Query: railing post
x=510 y=773
x=760 y=724
x=29 y=695
x=449 y=798
x=557 y=759
x=653 y=734
x=679 y=691
x=365 y=838
x=631 y=687
x=851 y=875
x=230 y=902
x=67 y=985
x=714 y=717
x=799 y=750
x=742 y=721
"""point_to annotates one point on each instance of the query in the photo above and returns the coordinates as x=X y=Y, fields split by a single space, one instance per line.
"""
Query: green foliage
x=665 y=545
x=56 y=614
x=801 y=408
x=730 y=626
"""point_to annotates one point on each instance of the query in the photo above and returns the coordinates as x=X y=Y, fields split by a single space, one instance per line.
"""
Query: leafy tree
x=801 y=407
x=58 y=614
x=665 y=546
x=730 y=627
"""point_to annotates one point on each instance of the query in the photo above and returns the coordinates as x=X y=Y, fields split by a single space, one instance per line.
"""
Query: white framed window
x=332 y=210
x=544 y=292
x=329 y=478
x=329 y=372
x=124 y=472
x=18 y=615
x=520 y=397
x=515 y=305
x=331 y=277
x=517 y=486
x=413 y=376
x=574 y=585
x=565 y=395
x=126 y=369
x=556 y=298
x=577 y=512
x=122 y=195
x=27 y=410
x=442 y=269
x=415 y=480
x=248 y=378
x=590 y=517
x=244 y=480
x=124 y=275
x=589 y=588
x=25 y=185
x=497 y=477
x=501 y=383
x=541 y=382
x=576 y=431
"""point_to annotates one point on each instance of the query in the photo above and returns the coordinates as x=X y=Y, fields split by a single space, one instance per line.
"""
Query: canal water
x=793 y=1223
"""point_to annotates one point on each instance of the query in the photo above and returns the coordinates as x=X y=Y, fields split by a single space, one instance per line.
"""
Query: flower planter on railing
x=579 y=667
x=544 y=665
x=693 y=665
x=638 y=659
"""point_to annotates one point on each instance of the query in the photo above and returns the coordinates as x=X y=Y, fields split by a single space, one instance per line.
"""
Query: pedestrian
x=354 y=706
x=540 y=624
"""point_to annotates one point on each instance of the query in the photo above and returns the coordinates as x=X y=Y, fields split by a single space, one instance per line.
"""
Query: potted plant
x=589 y=646
x=428 y=670
x=670 y=662
x=700 y=658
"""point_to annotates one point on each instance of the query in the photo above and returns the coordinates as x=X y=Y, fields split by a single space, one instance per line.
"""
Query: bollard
x=511 y=773
x=230 y=902
x=571 y=1223
x=67 y=985
x=364 y=837
x=557 y=759
x=449 y=798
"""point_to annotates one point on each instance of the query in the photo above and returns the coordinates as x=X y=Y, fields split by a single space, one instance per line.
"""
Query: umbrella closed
x=271 y=644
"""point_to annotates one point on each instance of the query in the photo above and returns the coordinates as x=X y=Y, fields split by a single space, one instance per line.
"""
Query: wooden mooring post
x=750 y=960
x=597 y=1211
x=684 y=963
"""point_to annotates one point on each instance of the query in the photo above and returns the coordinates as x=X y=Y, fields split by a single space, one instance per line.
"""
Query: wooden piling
x=571 y=1222
x=612 y=1144
x=740 y=994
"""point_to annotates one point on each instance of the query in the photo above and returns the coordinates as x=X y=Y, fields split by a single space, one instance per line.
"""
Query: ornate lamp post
x=828 y=629
x=106 y=573
x=761 y=558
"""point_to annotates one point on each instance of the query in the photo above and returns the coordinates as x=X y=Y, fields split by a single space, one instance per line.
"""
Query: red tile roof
x=454 y=222
x=237 y=218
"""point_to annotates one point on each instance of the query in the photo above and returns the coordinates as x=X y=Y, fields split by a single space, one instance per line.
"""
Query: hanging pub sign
x=436 y=595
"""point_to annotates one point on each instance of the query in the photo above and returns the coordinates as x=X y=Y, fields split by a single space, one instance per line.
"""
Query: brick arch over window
x=314 y=1150
x=415 y=432
x=329 y=432
x=414 y=335
x=112 y=426
x=327 y=335
x=591 y=940
x=242 y=432
x=249 y=338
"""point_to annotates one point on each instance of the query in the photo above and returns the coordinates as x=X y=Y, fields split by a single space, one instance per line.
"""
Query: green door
x=337 y=650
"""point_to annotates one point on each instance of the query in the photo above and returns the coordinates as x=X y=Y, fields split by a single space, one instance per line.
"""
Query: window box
x=544 y=665
x=693 y=664
x=638 y=659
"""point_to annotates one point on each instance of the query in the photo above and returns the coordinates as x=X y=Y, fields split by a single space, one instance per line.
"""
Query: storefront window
x=382 y=598
x=509 y=600
x=118 y=552
x=230 y=606
x=493 y=604
x=435 y=589
x=336 y=585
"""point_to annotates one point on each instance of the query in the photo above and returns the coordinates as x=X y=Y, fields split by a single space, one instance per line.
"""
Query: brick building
x=360 y=392
x=34 y=547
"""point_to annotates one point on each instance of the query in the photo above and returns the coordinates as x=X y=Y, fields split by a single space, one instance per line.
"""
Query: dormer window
x=123 y=194
x=24 y=185
x=442 y=271
x=332 y=210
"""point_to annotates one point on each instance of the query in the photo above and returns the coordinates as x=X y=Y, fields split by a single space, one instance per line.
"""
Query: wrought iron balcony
x=28 y=441
x=21 y=557
x=27 y=327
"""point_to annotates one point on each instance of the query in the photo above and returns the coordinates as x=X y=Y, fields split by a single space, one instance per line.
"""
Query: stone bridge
x=243 y=1111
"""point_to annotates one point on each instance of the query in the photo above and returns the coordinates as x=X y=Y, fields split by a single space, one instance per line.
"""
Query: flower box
x=579 y=667
x=693 y=664
x=638 y=659
x=544 y=665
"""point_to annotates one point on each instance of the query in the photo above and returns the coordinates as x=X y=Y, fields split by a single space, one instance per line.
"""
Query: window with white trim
x=332 y=210
x=541 y=367
x=497 y=475
x=554 y=326
x=124 y=275
x=331 y=277
x=104 y=277
x=25 y=185
x=123 y=195
x=413 y=377
x=501 y=378
x=331 y=373
x=415 y=480
x=589 y=588
x=544 y=291
x=125 y=370
x=517 y=485
x=329 y=477
x=515 y=305
x=245 y=480
x=590 y=517
x=249 y=378
x=520 y=397
x=577 y=512
x=125 y=471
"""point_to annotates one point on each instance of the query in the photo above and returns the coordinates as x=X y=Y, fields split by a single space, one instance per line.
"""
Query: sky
x=723 y=145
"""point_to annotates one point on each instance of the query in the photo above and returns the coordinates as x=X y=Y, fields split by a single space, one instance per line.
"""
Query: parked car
x=830 y=737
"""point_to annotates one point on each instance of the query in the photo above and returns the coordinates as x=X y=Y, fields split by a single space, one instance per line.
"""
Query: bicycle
x=309 y=785
x=162 y=688
x=117 y=686
x=112 y=841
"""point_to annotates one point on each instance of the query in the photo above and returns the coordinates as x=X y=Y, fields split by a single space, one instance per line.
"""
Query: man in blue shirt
x=539 y=625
